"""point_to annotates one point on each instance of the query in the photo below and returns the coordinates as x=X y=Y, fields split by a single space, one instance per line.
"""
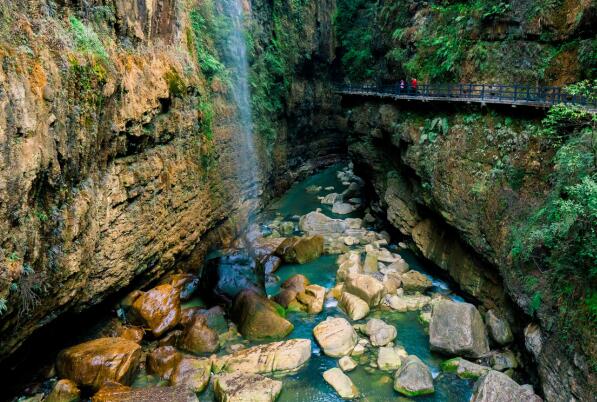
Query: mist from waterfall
x=235 y=58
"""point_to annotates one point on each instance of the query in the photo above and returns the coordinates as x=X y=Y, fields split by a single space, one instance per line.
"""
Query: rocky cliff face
x=119 y=148
x=459 y=204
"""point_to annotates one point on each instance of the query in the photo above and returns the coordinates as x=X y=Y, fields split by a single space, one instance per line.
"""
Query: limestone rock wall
x=111 y=170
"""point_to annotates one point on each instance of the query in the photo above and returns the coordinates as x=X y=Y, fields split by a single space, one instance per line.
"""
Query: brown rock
x=296 y=282
x=312 y=298
x=162 y=361
x=171 y=339
x=187 y=315
x=64 y=391
x=158 y=309
x=104 y=359
x=198 y=337
x=113 y=392
x=134 y=334
x=300 y=250
x=285 y=297
x=290 y=289
x=414 y=281
x=258 y=317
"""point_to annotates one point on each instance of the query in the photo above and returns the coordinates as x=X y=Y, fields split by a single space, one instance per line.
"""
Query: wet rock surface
x=258 y=317
x=92 y=363
x=157 y=309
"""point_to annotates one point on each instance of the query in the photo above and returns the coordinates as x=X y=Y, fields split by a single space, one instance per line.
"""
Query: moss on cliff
x=485 y=41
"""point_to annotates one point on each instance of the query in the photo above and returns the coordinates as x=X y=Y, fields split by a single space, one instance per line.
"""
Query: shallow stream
x=375 y=385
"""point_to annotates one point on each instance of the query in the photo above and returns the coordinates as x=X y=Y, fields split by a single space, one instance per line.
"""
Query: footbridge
x=514 y=95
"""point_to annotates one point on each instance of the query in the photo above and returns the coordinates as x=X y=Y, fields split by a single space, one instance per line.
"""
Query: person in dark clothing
x=402 y=85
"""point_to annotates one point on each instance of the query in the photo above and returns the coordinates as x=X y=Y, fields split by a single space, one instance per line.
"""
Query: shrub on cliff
x=560 y=237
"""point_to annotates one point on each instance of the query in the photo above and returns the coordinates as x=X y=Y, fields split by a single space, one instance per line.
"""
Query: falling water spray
x=235 y=57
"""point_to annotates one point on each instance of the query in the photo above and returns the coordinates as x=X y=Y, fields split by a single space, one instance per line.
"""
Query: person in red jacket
x=413 y=85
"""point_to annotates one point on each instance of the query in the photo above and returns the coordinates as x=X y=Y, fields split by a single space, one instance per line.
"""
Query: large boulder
x=223 y=278
x=157 y=309
x=341 y=383
x=336 y=336
x=317 y=223
x=243 y=387
x=192 y=373
x=379 y=332
x=272 y=358
x=162 y=361
x=300 y=250
x=498 y=387
x=353 y=306
x=413 y=378
x=498 y=328
x=198 y=337
x=365 y=287
x=457 y=329
x=64 y=391
x=92 y=363
x=114 y=392
x=414 y=281
x=258 y=317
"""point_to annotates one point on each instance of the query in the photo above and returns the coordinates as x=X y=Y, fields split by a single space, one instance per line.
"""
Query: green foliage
x=273 y=63
x=433 y=128
x=86 y=39
x=13 y=257
x=41 y=215
x=560 y=237
x=206 y=118
x=355 y=32
x=204 y=29
x=535 y=302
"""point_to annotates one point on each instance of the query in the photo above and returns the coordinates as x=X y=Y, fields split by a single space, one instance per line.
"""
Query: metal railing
x=484 y=93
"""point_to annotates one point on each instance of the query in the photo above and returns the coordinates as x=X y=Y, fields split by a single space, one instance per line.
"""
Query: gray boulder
x=457 y=329
x=498 y=328
x=498 y=387
x=413 y=378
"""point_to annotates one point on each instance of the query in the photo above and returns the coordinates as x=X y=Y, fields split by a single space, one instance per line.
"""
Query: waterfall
x=236 y=60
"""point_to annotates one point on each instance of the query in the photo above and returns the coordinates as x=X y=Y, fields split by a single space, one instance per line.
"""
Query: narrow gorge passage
x=303 y=279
